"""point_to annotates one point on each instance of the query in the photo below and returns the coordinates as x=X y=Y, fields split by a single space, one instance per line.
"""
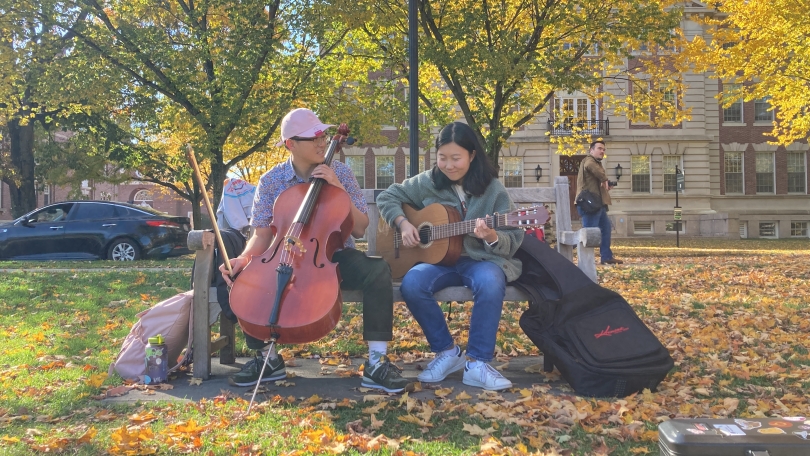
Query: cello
x=291 y=293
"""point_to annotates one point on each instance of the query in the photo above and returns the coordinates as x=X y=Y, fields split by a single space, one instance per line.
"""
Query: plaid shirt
x=283 y=176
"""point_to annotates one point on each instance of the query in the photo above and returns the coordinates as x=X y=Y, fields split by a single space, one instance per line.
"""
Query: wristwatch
x=491 y=244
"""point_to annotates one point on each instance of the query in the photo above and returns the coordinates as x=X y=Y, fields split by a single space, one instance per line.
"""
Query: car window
x=50 y=214
x=94 y=211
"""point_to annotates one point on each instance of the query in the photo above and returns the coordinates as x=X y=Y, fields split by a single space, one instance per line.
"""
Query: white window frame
x=633 y=175
x=803 y=173
x=741 y=172
x=408 y=165
x=679 y=159
x=757 y=107
x=350 y=161
x=794 y=228
x=46 y=195
x=771 y=173
x=143 y=197
x=378 y=161
x=567 y=109
x=512 y=165
x=775 y=229
x=732 y=88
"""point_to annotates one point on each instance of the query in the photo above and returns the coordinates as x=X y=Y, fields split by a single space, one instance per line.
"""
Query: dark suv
x=93 y=230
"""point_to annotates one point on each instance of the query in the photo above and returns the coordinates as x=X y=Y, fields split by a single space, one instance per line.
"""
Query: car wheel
x=123 y=250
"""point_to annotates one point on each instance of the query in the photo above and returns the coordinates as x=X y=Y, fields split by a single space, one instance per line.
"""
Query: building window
x=797 y=174
x=580 y=112
x=640 y=173
x=358 y=166
x=670 y=228
x=744 y=230
x=105 y=196
x=385 y=171
x=408 y=165
x=734 y=172
x=734 y=111
x=765 y=172
x=798 y=229
x=768 y=230
x=143 y=198
x=513 y=171
x=762 y=110
x=670 y=179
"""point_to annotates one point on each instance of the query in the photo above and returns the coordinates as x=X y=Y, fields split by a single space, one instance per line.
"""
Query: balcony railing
x=586 y=127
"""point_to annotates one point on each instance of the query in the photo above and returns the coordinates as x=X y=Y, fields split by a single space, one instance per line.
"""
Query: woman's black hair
x=481 y=171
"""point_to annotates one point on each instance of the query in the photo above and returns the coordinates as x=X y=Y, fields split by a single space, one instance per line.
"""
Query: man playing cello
x=303 y=134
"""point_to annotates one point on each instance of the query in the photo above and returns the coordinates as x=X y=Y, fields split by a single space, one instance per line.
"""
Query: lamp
x=618 y=171
x=538 y=173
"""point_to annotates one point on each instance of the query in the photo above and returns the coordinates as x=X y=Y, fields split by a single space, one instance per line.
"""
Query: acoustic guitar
x=441 y=231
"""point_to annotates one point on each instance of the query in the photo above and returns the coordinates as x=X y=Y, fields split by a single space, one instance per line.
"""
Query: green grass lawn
x=734 y=314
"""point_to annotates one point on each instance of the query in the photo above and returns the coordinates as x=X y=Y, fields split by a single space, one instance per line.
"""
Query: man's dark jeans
x=599 y=220
x=373 y=276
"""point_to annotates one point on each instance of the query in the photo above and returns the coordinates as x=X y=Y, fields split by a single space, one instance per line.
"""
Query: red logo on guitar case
x=609 y=332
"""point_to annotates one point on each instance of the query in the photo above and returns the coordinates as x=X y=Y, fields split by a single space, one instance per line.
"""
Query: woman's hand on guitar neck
x=410 y=235
x=483 y=231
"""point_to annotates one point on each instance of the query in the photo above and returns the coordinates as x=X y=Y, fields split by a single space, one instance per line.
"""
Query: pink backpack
x=173 y=319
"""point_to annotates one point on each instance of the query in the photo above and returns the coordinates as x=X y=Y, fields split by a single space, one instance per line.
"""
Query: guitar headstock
x=528 y=217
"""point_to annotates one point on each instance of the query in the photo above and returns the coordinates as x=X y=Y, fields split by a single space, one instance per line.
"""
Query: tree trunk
x=21 y=181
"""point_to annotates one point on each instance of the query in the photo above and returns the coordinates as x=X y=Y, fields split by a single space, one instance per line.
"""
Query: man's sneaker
x=384 y=375
x=485 y=376
x=249 y=374
x=442 y=365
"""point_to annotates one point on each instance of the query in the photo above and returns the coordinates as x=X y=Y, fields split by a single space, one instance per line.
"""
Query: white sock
x=376 y=350
x=271 y=352
x=473 y=363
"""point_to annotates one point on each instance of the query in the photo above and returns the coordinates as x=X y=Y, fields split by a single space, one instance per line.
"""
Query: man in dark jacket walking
x=592 y=177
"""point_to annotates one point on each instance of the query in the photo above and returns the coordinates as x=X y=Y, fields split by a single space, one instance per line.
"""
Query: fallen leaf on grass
x=96 y=380
x=117 y=391
x=375 y=423
x=474 y=429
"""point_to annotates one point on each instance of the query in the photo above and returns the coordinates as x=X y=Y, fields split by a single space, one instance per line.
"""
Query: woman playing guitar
x=462 y=178
x=303 y=134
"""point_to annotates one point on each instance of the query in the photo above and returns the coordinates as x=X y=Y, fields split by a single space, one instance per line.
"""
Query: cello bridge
x=294 y=241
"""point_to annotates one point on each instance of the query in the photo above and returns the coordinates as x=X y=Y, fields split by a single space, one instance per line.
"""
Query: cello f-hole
x=267 y=260
x=315 y=256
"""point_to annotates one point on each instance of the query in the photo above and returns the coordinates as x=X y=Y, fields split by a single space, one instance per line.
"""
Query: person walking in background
x=592 y=177
x=464 y=179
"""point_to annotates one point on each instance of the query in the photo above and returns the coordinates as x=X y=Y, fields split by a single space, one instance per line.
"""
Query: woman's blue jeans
x=488 y=284
x=599 y=220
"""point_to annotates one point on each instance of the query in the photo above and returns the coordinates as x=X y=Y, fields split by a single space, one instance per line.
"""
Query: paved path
x=309 y=377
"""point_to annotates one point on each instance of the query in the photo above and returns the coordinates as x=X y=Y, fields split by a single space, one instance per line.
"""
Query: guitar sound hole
x=424 y=234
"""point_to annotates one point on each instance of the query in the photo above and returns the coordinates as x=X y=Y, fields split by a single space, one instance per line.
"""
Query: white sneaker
x=485 y=376
x=442 y=366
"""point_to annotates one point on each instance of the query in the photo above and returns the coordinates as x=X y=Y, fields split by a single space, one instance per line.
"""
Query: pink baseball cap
x=303 y=123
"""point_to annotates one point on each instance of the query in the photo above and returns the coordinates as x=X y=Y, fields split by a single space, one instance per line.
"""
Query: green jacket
x=419 y=192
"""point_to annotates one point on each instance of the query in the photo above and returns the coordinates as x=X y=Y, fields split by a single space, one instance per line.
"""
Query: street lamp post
x=413 y=82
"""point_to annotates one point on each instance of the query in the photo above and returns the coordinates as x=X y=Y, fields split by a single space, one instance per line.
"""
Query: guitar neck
x=464 y=227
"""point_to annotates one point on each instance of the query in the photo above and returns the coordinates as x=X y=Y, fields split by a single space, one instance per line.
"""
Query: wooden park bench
x=203 y=243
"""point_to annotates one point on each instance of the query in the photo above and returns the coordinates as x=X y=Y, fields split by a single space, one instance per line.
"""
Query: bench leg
x=227 y=329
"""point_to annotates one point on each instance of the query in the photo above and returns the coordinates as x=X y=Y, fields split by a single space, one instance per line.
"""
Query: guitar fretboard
x=456 y=228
